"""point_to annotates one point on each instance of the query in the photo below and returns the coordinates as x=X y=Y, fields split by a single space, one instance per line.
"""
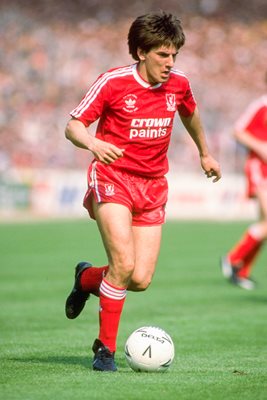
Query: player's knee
x=121 y=272
x=141 y=285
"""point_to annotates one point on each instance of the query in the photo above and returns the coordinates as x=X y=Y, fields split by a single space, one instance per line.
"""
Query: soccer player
x=251 y=131
x=135 y=106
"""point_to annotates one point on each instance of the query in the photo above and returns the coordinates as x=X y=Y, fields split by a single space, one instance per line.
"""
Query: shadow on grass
x=240 y=296
x=86 y=362
x=257 y=299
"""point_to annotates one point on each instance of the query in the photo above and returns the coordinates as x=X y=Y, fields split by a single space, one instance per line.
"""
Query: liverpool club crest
x=170 y=102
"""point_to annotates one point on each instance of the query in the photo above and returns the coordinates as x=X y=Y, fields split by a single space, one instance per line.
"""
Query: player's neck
x=142 y=71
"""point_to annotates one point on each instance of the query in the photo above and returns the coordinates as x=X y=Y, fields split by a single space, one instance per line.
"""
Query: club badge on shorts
x=109 y=189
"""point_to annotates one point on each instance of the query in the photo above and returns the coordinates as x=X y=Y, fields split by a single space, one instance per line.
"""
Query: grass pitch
x=219 y=331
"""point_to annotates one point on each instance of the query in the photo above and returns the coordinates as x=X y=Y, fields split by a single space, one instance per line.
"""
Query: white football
x=149 y=349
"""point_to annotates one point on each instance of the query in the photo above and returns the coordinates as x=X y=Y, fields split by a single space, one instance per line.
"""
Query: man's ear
x=141 y=54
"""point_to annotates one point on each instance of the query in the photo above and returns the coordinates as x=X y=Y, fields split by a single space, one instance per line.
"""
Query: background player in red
x=251 y=131
x=127 y=189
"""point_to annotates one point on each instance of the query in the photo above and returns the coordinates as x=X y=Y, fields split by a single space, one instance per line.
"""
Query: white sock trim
x=109 y=291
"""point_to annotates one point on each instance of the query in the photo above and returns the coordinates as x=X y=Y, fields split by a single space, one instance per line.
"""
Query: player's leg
x=146 y=229
x=87 y=280
x=147 y=241
x=88 y=277
x=235 y=263
x=259 y=232
x=147 y=244
x=150 y=199
x=115 y=225
x=238 y=263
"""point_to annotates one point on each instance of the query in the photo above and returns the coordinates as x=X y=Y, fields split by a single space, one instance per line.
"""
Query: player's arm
x=245 y=138
x=105 y=152
x=194 y=128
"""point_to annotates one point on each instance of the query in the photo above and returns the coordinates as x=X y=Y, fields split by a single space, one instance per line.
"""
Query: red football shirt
x=254 y=120
x=135 y=116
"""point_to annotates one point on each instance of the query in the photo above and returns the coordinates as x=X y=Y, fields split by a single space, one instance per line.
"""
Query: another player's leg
x=237 y=264
x=246 y=269
x=238 y=258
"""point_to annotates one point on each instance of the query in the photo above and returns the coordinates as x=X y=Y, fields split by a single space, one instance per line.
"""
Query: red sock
x=243 y=250
x=91 y=279
x=111 y=300
x=245 y=270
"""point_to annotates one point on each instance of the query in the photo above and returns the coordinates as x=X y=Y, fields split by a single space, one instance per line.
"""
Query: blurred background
x=51 y=52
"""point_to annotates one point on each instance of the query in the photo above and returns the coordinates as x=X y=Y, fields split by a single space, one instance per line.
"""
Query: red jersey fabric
x=254 y=120
x=137 y=117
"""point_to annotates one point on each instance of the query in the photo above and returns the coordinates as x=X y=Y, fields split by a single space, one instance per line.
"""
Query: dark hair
x=154 y=30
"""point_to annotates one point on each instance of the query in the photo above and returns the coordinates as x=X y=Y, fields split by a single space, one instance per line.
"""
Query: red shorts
x=256 y=173
x=145 y=197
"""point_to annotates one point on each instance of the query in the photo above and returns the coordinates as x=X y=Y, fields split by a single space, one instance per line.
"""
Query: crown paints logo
x=130 y=103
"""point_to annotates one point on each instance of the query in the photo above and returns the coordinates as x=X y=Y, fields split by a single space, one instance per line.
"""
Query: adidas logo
x=130 y=102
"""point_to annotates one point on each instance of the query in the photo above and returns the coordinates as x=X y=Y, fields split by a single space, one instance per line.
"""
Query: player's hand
x=106 y=152
x=211 y=167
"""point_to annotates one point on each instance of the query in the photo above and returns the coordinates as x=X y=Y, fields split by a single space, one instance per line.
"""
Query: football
x=149 y=349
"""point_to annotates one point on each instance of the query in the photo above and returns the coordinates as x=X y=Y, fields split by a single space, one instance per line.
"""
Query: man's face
x=155 y=66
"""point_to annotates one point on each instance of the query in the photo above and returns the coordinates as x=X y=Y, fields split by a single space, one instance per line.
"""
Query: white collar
x=141 y=81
